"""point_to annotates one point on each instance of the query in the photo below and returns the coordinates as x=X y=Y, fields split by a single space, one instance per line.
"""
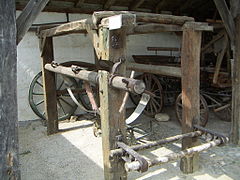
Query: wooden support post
x=50 y=96
x=190 y=64
x=113 y=45
x=235 y=129
x=9 y=148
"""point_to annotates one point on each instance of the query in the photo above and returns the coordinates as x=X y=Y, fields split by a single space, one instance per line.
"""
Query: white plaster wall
x=68 y=48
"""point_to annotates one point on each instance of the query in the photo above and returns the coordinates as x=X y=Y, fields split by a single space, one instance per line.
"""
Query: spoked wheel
x=65 y=106
x=224 y=113
x=203 y=110
x=153 y=85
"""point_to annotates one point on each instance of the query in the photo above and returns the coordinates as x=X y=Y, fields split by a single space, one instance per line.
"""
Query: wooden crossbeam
x=226 y=17
x=108 y=4
x=136 y=4
x=29 y=14
x=68 y=28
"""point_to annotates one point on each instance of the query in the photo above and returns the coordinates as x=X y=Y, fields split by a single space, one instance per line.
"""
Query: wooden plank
x=30 y=13
x=49 y=87
x=112 y=121
x=235 y=127
x=9 y=146
x=108 y=4
x=68 y=28
x=220 y=59
x=190 y=64
x=78 y=3
x=154 y=28
x=226 y=17
x=163 y=49
x=136 y=4
x=143 y=17
x=155 y=69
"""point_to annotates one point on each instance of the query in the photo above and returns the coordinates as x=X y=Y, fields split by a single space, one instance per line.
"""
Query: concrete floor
x=75 y=153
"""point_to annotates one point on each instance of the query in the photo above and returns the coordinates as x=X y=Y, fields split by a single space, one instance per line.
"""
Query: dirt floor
x=74 y=153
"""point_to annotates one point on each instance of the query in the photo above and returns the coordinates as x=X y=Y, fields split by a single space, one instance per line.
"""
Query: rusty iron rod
x=135 y=165
x=127 y=84
x=157 y=143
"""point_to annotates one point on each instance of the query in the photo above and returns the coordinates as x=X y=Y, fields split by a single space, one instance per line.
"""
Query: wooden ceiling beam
x=136 y=4
x=78 y=3
x=108 y=4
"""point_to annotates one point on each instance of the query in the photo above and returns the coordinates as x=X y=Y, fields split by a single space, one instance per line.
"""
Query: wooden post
x=49 y=86
x=190 y=64
x=9 y=159
x=235 y=129
x=113 y=47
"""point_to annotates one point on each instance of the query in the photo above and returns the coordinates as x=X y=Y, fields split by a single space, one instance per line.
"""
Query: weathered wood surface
x=163 y=49
x=49 y=87
x=155 y=69
x=190 y=64
x=235 y=129
x=9 y=147
x=220 y=59
x=154 y=28
x=29 y=14
x=226 y=17
x=234 y=7
x=143 y=17
x=68 y=28
x=112 y=121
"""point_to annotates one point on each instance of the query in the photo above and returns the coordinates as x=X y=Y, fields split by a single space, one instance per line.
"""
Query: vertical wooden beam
x=190 y=64
x=49 y=86
x=113 y=44
x=235 y=129
x=9 y=148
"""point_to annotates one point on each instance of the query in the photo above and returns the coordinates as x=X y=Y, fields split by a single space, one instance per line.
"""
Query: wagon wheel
x=65 y=106
x=225 y=114
x=153 y=85
x=203 y=110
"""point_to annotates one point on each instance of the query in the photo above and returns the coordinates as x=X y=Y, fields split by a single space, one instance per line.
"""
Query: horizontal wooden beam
x=154 y=28
x=155 y=69
x=68 y=28
x=163 y=49
x=143 y=17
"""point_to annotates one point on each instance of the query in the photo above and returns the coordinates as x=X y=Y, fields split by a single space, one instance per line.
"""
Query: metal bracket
x=115 y=68
x=143 y=162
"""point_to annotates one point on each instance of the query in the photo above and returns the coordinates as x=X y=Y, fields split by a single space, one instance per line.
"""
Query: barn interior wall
x=71 y=48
